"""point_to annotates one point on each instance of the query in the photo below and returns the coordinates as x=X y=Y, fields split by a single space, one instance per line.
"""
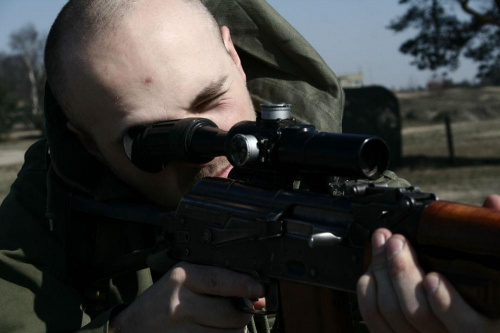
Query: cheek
x=123 y=168
x=166 y=187
x=162 y=188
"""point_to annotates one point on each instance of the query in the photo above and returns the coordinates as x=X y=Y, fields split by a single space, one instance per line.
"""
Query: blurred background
x=423 y=74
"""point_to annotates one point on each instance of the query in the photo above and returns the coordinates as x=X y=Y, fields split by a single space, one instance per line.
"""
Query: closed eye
x=205 y=105
x=209 y=94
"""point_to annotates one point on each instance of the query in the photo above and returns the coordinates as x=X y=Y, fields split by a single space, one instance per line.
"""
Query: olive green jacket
x=41 y=246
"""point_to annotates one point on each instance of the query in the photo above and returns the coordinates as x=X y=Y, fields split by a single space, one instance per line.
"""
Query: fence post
x=449 y=136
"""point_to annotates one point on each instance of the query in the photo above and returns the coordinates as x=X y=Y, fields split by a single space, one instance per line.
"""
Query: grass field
x=476 y=169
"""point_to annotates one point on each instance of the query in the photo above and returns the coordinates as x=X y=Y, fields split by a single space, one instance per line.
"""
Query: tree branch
x=484 y=19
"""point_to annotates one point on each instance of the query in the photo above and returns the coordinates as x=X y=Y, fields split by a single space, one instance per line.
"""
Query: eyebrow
x=209 y=92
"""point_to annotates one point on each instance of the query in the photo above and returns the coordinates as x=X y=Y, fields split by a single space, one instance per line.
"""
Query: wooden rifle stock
x=463 y=243
x=471 y=229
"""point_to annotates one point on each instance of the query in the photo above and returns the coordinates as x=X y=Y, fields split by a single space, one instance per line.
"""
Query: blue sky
x=351 y=35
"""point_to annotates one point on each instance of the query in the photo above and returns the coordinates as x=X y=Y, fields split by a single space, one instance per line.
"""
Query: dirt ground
x=475 y=115
x=475 y=171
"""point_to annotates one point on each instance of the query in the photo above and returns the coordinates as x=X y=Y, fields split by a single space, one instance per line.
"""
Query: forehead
x=171 y=40
x=158 y=58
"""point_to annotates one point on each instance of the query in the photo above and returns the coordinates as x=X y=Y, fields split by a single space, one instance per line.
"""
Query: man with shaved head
x=129 y=63
x=113 y=65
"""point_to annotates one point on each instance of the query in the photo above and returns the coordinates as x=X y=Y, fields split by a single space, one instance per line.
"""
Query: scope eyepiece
x=195 y=140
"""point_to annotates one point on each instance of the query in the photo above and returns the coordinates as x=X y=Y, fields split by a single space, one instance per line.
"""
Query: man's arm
x=395 y=295
x=37 y=295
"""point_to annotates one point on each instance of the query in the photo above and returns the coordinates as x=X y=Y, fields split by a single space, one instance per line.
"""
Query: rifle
x=261 y=221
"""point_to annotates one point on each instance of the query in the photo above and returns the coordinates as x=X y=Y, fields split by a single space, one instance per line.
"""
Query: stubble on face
x=217 y=168
x=186 y=178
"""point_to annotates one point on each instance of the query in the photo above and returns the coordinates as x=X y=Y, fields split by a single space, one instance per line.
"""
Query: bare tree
x=8 y=98
x=28 y=45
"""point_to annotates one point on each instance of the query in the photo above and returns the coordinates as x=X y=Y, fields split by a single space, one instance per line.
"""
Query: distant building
x=374 y=110
x=355 y=80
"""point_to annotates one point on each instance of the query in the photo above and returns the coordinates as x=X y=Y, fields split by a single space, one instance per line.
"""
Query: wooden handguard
x=472 y=235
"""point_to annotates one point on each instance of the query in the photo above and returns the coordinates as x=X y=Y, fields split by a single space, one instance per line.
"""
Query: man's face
x=164 y=62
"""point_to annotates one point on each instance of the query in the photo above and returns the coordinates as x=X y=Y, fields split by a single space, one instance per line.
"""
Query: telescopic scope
x=275 y=142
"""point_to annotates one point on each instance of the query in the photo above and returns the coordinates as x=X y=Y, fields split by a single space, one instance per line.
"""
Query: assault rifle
x=300 y=206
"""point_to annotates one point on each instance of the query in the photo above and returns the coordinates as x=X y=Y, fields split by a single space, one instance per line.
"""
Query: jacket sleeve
x=36 y=292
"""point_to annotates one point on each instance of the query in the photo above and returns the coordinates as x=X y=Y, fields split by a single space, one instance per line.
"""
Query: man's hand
x=190 y=298
x=396 y=295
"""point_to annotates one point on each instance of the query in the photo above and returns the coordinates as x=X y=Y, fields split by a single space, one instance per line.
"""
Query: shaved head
x=82 y=23
x=114 y=65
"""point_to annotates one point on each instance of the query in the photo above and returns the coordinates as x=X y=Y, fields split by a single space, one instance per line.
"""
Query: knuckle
x=398 y=266
x=401 y=237
x=213 y=281
x=363 y=285
x=246 y=286
x=177 y=275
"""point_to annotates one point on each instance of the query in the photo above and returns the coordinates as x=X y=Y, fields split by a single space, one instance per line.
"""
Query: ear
x=86 y=141
x=228 y=43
